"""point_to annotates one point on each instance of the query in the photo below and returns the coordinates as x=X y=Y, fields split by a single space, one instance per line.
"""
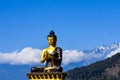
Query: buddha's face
x=51 y=41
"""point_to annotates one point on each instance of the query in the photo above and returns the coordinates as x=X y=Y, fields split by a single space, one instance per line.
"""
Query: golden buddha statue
x=52 y=55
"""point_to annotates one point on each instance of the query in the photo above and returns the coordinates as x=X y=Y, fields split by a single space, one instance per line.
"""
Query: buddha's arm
x=60 y=54
x=43 y=56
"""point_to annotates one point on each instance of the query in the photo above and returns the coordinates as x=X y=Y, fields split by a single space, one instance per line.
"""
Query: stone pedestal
x=46 y=76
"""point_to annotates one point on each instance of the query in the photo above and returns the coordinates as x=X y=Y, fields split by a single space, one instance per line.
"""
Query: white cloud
x=29 y=55
x=113 y=52
x=72 y=56
x=25 y=56
x=32 y=56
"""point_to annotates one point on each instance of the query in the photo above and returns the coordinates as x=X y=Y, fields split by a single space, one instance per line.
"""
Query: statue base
x=46 y=76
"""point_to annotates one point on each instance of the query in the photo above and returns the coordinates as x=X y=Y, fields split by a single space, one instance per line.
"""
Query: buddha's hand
x=45 y=54
x=49 y=56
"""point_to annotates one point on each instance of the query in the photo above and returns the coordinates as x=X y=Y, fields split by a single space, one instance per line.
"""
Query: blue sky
x=79 y=24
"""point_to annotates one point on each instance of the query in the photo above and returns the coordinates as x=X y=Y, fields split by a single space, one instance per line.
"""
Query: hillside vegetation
x=108 y=69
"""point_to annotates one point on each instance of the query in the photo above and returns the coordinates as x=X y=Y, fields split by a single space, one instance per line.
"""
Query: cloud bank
x=29 y=55
x=25 y=56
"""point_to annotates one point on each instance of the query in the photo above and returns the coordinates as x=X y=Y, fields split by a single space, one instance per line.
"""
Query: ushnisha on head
x=52 y=38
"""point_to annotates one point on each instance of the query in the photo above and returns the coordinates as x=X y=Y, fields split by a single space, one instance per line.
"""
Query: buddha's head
x=52 y=38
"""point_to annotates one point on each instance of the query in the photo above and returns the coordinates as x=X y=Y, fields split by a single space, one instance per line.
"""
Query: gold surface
x=46 y=53
x=46 y=76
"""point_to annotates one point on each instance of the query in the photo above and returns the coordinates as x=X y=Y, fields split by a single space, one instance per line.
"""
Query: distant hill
x=13 y=72
x=108 y=69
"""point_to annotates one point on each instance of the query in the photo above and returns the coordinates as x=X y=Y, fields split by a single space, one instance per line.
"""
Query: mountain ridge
x=108 y=69
x=99 y=53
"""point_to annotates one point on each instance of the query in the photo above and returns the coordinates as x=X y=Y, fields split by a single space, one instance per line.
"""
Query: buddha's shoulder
x=58 y=48
x=45 y=49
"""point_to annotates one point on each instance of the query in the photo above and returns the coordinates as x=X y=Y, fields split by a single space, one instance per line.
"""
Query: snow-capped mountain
x=104 y=49
x=87 y=57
